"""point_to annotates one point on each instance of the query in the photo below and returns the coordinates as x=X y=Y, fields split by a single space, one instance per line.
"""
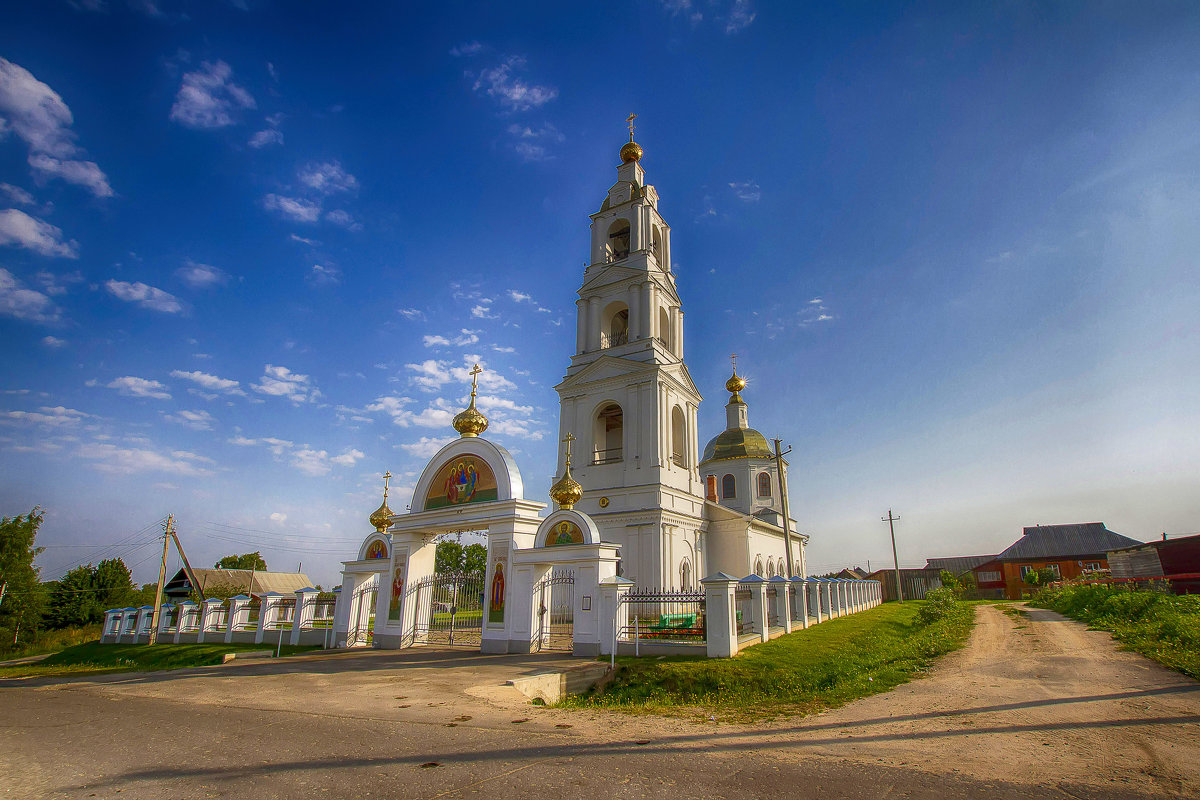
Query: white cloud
x=318 y=462
x=411 y=313
x=208 y=98
x=55 y=417
x=21 y=303
x=431 y=375
x=511 y=92
x=823 y=318
x=816 y=301
x=748 y=191
x=465 y=338
x=279 y=518
x=426 y=446
x=53 y=342
x=140 y=387
x=81 y=173
x=196 y=420
x=294 y=208
x=466 y=49
x=500 y=349
x=343 y=219
x=21 y=230
x=532 y=144
x=740 y=16
x=266 y=138
x=210 y=382
x=483 y=312
x=128 y=460
x=302 y=240
x=282 y=382
x=277 y=446
x=202 y=276
x=327 y=178
x=324 y=275
x=144 y=295
x=15 y=193
x=348 y=458
x=519 y=296
x=53 y=284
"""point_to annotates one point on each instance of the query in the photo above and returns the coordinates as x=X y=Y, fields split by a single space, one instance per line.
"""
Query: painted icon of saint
x=497 y=601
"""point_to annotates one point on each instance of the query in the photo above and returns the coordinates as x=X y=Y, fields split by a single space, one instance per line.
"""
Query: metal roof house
x=247 y=581
x=1069 y=550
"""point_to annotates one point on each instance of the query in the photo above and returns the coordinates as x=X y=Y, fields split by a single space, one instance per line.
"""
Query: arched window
x=678 y=438
x=770 y=568
x=710 y=488
x=764 y=485
x=758 y=570
x=664 y=329
x=618 y=240
x=657 y=245
x=685 y=575
x=608 y=435
x=614 y=329
x=729 y=487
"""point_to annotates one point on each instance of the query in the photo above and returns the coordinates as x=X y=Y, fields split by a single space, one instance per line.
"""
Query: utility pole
x=162 y=578
x=787 y=533
x=890 y=520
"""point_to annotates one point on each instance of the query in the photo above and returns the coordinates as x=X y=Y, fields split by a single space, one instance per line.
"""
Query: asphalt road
x=430 y=723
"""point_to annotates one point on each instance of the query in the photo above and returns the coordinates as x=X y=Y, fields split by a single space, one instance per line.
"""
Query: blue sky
x=248 y=251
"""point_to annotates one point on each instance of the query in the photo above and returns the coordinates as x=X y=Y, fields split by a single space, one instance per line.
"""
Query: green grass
x=1163 y=627
x=96 y=657
x=51 y=641
x=825 y=666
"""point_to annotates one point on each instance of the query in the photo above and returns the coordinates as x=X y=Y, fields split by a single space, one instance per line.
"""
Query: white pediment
x=609 y=275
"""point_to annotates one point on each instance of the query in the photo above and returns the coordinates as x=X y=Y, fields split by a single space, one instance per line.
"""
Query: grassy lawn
x=52 y=641
x=95 y=657
x=1162 y=627
x=825 y=666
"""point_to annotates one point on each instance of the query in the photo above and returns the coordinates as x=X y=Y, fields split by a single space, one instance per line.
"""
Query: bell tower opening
x=618 y=240
x=615 y=329
x=608 y=435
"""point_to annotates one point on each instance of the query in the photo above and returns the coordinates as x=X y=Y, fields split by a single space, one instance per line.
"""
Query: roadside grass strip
x=95 y=657
x=806 y=671
x=1163 y=627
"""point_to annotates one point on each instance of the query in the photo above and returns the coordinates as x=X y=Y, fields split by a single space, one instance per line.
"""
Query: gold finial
x=632 y=151
x=567 y=491
x=470 y=422
x=382 y=516
x=736 y=383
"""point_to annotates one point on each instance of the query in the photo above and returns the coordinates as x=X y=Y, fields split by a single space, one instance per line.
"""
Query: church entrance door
x=554 y=604
x=449 y=609
x=362 y=631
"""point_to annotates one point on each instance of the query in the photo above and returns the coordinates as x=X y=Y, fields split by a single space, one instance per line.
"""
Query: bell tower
x=627 y=396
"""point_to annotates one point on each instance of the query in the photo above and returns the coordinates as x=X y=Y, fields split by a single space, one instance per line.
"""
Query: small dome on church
x=470 y=422
x=735 y=384
x=632 y=151
x=568 y=491
x=381 y=517
x=737 y=443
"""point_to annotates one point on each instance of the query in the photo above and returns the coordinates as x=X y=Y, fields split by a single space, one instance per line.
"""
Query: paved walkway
x=1043 y=710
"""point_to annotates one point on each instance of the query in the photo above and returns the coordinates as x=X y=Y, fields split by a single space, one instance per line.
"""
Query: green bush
x=938 y=604
x=1161 y=626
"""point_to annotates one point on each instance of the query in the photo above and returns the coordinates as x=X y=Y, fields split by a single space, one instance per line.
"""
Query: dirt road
x=1037 y=708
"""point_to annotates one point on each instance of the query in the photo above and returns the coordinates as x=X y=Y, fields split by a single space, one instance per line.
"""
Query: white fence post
x=720 y=615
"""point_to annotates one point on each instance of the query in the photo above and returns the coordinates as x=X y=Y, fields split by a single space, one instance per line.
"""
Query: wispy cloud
x=202 y=276
x=466 y=49
x=411 y=313
x=208 y=97
x=131 y=386
x=196 y=420
x=512 y=93
x=117 y=460
x=465 y=337
x=21 y=303
x=40 y=118
x=739 y=17
x=53 y=417
x=324 y=275
x=327 y=178
x=294 y=208
x=265 y=138
x=18 y=229
x=145 y=296
x=426 y=446
x=282 y=382
x=748 y=191
x=53 y=342
x=210 y=382
x=16 y=194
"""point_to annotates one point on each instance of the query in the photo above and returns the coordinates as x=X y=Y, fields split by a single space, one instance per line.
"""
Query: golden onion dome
x=735 y=384
x=568 y=491
x=632 y=151
x=381 y=517
x=470 y=422
x=737 y=443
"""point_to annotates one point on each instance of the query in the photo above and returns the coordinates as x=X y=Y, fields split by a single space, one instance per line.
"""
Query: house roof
x=247 y=580
x=957 y=565
x=1066 y=541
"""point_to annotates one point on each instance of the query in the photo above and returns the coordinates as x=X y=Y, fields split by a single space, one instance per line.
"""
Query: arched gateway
x=391 y=597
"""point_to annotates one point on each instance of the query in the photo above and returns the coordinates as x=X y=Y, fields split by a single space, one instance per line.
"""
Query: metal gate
x=554 y=602
x=449 y=609
x=362 y=618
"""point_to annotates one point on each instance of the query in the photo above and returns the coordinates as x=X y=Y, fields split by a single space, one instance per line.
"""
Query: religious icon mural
x=377 y=549
x=397 y=599
x=564 y=532
x=461 y=480
x=496 y=595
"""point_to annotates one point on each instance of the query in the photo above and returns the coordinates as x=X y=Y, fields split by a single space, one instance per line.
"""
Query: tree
x=252 y=561
x=21 y=609
x=83 y=595
x=474 y=558
x=451 y=556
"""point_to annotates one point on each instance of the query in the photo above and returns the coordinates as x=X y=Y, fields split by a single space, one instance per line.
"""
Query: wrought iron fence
x=554 y=602
x=449 y=609
x=662 y=615
x=362 y=617
x=742 y=599
x=283 y=614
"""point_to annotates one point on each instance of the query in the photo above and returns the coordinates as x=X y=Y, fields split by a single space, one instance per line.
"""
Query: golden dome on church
x=470 y=422
x=735 y=384
x=568 y=491
x=381 y=517
x=737 y=443
x=632 y=151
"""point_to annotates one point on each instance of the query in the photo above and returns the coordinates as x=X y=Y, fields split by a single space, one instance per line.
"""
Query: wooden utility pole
x=162 y=578
x=783 y=498
x=890 y=520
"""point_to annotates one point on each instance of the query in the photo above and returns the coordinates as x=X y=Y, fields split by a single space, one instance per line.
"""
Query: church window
x=608 y=435
x=729 y=487
x=758 y=569
x=615 y=329
x=657 y=245
x=764 y=485
x=678 y=438
x=770 y=568
x=618 y=240
x=710 y=488
x=664 y=328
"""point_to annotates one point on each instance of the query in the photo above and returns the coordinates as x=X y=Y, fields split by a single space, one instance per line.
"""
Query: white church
x=640 y=505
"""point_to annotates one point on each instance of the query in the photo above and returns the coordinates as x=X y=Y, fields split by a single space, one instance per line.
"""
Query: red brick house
x=1069 y=550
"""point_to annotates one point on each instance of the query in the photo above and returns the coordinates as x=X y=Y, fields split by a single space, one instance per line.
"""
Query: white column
x=593 y=324
x=721 y=622
x=635 y=312
x=581 y=315
x=646 y=325
x=677 y=319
